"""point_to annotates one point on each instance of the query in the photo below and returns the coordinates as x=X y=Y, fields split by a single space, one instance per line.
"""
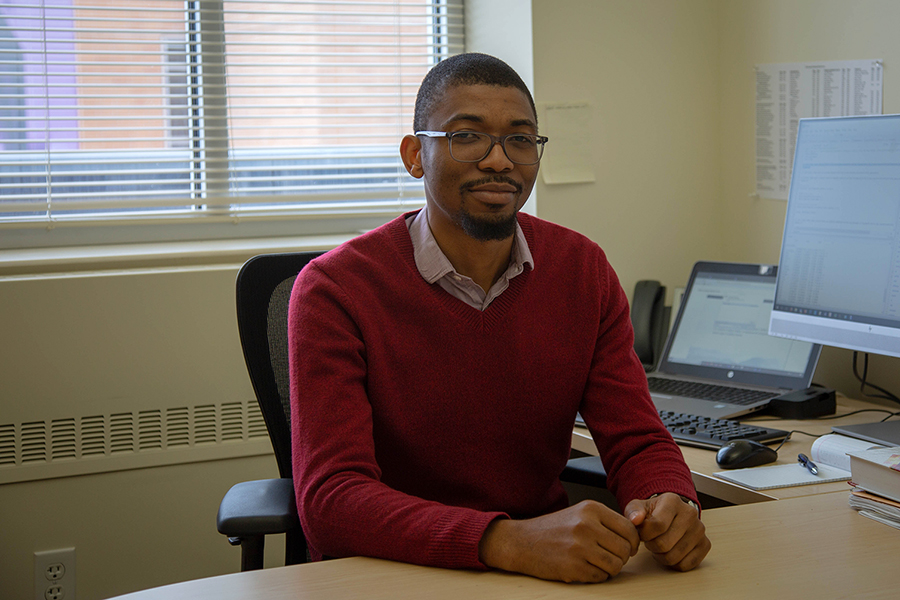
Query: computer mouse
x=744 y=453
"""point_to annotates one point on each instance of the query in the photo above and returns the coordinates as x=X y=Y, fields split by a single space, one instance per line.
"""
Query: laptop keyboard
x=705 y=432
x=707 y=391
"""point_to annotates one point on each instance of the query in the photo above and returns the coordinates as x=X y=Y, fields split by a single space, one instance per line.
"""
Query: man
x=438 y=362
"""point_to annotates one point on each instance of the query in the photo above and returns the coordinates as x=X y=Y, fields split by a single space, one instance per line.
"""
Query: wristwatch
x=690 y=503
x=687 y=501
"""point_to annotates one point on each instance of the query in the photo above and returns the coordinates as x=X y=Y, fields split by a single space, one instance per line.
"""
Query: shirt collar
x=433 y=264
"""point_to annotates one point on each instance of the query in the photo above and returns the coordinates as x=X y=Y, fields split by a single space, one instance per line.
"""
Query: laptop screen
x=721 y=330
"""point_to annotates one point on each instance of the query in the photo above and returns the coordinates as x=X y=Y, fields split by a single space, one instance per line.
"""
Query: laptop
x=719 y=360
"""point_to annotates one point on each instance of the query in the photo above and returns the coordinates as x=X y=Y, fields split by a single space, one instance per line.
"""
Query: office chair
x=253 y=509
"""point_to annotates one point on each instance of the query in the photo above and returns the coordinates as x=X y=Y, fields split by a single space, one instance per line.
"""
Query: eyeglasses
x=474 y=146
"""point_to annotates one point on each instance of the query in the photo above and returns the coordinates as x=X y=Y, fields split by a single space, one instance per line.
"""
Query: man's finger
x=663 y=518
x=636 y=511
x=680 y=560
x=623 y=528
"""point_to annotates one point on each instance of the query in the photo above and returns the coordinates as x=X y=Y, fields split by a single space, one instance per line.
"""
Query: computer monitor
x=839 y=274
x=838 y=280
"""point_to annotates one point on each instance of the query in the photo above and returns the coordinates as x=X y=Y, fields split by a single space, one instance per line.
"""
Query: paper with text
x=787 y=92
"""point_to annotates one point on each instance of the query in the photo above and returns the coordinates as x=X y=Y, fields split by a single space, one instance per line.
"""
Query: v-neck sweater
x=417 y=420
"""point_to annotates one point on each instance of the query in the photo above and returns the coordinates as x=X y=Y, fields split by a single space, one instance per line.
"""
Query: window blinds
x=116 y=110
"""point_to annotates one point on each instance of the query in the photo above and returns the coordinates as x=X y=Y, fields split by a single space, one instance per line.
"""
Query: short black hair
x=471 y=68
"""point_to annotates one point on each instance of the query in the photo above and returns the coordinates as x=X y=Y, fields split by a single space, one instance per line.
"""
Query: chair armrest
x=587 y=470
x=259 y=507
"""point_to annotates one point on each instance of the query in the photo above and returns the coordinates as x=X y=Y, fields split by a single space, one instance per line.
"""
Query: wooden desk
x=702 y=462
x=813 y=547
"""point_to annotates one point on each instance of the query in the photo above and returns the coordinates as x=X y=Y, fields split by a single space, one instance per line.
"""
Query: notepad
x=780 y=476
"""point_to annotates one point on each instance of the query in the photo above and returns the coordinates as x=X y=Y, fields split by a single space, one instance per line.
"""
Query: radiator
x=97 y=443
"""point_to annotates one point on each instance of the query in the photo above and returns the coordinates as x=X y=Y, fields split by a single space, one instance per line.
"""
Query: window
x=169 y=114
x=177 y=95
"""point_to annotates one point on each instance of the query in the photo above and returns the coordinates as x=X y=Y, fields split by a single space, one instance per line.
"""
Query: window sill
x=42 y=261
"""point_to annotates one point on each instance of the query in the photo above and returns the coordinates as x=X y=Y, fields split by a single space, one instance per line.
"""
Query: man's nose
x=496 y=159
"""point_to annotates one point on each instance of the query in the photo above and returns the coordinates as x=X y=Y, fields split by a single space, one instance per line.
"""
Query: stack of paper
x=875 y=475
x=875 y=507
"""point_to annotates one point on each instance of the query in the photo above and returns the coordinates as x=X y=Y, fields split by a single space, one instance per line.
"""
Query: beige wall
x=649 y=69
x=122 y=340
x=775 y=31
x=671 y=83
x=131 y=529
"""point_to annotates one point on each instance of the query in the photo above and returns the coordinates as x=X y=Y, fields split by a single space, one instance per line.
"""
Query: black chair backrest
x=264 y=286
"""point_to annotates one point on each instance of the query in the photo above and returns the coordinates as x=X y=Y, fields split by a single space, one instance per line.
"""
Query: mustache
x=491 y=179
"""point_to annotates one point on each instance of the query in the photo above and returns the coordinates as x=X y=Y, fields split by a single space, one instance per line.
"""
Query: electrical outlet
x=54 y=574
x=55 y=592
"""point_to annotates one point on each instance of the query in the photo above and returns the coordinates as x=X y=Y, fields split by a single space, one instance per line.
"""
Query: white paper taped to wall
x=569 y=155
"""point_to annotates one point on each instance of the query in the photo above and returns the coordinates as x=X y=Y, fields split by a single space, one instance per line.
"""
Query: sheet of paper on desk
x=779 y=476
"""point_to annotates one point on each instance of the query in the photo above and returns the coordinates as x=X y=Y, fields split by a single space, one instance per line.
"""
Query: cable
x=862 y=410
x=818 y=435
x=829 y=417
x=886 y=395
x=793 y=431
x=896 y=414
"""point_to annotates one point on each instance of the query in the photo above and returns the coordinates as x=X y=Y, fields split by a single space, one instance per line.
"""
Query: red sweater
x=418 y=419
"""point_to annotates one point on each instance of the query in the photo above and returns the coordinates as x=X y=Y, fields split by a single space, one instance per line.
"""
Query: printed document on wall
x=787 y=92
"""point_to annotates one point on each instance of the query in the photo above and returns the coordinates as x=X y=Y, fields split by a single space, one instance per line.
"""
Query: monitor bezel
x=831 y=328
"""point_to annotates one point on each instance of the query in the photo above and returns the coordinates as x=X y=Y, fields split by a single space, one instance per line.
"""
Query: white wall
x=503 y=29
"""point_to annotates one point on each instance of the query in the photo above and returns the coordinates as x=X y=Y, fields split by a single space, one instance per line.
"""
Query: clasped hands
x=590 y=542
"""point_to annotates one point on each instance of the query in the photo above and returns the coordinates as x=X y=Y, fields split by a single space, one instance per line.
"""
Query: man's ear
x=411 y=154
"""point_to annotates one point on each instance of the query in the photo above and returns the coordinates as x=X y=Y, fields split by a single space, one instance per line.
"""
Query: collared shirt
x=434 y=266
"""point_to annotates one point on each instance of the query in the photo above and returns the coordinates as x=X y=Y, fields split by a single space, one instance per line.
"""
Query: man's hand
x=671 y=529
x=587 y=542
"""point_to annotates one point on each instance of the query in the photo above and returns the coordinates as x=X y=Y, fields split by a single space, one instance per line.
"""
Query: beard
x=487 y=228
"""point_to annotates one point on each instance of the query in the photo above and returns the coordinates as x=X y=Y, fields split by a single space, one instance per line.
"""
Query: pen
x=804 y=460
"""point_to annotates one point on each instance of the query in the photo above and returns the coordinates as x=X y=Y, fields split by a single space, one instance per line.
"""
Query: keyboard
x=707 y=391
x=705 y=432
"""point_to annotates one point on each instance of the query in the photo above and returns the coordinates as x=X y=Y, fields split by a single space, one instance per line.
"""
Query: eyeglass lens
x=472 y=146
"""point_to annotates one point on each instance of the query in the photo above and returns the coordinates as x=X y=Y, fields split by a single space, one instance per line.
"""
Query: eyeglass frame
x=540 y=140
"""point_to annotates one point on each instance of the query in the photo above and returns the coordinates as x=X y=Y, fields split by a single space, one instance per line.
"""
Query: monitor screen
x=839 y=273
x=724 y=323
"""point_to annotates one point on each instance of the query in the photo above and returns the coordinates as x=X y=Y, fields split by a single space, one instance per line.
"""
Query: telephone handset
x=649 y=320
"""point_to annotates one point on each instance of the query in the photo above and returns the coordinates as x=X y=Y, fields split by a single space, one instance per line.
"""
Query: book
x=877 y=470
x=833 y=450
x=876 y=508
